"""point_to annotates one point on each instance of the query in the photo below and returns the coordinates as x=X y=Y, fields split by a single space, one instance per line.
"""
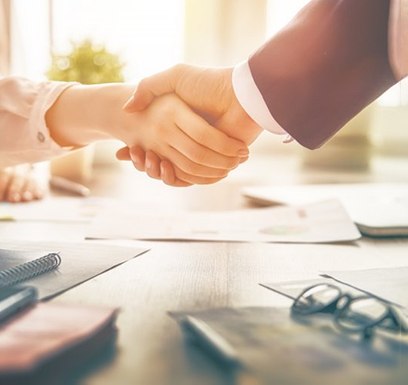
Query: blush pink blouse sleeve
x=24 y=135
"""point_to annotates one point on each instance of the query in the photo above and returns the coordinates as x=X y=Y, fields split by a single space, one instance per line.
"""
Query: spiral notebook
x=54 y=267
x=13 y=272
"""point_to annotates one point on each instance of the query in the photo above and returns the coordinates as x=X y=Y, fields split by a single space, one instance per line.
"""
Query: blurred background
x=135 y=38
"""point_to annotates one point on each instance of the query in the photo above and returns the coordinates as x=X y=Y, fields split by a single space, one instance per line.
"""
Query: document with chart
x=378 y=209
x=313 y=223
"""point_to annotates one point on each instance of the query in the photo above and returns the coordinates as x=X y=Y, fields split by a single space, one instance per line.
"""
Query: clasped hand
x=208 y=133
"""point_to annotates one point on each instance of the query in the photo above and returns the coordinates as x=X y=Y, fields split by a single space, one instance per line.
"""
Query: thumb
x=151 y=87
x=140 y=99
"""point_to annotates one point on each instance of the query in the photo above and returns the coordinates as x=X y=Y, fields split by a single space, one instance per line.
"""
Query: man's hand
x=208 y=91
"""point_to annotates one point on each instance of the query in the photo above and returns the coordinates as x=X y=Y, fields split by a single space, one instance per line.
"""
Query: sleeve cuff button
x=40 y=137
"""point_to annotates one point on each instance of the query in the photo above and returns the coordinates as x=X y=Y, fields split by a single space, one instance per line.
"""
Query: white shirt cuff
x=251 y=99
x=398 y=37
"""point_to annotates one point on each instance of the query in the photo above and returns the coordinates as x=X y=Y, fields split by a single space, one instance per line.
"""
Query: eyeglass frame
x=366 y=330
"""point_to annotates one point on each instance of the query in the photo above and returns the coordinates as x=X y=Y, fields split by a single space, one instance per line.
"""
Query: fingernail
x=128 y=103
x=244 y=159
x=148 y=163
x=163 y=173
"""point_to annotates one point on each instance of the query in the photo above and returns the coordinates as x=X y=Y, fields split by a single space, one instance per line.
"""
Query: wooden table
x=197 y=275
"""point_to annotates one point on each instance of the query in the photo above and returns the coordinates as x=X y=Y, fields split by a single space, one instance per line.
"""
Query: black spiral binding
x=28 y=270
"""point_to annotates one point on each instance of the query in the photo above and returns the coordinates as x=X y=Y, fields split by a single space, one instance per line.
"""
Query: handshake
x=200 y=133
x=186 y=125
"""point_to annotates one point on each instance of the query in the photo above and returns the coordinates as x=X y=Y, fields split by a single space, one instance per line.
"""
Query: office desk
x=197 y=275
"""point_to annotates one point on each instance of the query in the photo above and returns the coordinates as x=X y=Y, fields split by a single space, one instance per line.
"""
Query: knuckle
x=139 y=166
x=191 y=168
x=202 y=136
x=203 y=171
x=218 y=161
x=178 y=69
x=188 y=179
x=142 y=85
x=201 y=156
x=228 y=147
x=230 y=163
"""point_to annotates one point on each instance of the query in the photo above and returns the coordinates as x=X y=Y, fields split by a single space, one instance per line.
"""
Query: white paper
x=390 y=284
x=53 y=209
x=319 y=222
x=371 y=205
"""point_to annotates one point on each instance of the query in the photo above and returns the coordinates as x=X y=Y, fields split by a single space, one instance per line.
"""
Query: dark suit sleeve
x=324 y=67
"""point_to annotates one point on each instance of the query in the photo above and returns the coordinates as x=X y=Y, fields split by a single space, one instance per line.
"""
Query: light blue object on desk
x=14 y=299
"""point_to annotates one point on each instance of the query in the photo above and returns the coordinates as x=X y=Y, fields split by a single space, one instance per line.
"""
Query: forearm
x=324 y=67
x=84 y=114
x=24 y=134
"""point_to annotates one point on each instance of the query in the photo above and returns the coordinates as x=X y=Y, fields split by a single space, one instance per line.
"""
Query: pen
x=214 y=344
x=210 y=340
x=69 y=186
x=16 y=298
x=6 y=218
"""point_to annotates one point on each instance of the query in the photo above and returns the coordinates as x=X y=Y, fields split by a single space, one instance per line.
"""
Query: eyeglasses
x=352 y=314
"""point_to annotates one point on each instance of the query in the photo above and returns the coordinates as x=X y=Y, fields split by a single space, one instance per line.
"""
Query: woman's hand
x=209 y=92
x=20 y=184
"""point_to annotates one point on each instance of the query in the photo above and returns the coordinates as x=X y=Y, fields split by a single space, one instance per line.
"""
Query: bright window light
x=148 y=35
x=281 y=12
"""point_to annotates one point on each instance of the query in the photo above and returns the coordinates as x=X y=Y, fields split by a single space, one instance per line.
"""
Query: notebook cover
x=50 y=331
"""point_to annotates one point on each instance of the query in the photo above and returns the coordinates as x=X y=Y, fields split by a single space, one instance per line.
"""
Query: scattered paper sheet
x=54 y=209
x=378 y=209
x=390 y=284
x=314 y=223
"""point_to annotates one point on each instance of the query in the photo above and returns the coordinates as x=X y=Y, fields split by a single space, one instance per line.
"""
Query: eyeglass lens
x=316 y=299
x=361 y=313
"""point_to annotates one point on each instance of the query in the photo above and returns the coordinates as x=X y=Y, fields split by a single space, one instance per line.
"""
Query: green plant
x=87 y=64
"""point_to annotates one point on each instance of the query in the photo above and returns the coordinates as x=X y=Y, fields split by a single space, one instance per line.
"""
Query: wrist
x=235 y=121
x=112 y=121
x=249 y=129
x=87 y=113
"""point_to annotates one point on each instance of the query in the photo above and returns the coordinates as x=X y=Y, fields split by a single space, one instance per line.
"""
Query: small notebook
x=12 y=271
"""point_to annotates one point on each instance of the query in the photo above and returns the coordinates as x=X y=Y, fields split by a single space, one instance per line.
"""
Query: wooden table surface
x=196 y=275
